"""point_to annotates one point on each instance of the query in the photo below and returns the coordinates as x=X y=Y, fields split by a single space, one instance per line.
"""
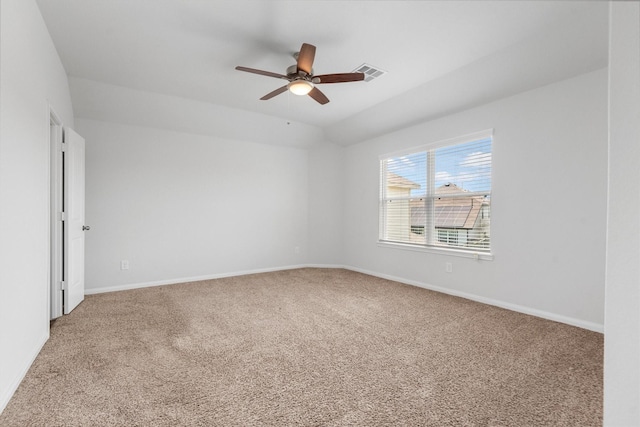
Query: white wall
x=326 y=188
x=622 y=302
x=548 y=204
x=31 y=78
x=180 y=206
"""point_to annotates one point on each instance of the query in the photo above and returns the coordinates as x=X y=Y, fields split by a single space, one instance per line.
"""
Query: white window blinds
x=439 y=196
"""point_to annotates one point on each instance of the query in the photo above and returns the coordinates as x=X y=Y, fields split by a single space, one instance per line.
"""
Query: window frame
x=430 y=231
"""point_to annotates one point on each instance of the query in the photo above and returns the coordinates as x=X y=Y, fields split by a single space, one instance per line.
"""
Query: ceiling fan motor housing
x=292 y=71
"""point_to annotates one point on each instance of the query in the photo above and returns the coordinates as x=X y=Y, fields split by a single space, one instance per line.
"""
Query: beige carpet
x=309 y=347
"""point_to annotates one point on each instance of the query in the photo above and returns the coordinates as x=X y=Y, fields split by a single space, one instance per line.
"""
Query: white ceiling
x=441 y=56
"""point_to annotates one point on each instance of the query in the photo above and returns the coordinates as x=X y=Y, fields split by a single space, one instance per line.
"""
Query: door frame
x=56 y=207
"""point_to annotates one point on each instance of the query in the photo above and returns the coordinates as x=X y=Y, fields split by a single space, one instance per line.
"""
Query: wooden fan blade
x=318 y=96
x=339 y=78
x=274 y=93
x=306 y=57
x=262 y=73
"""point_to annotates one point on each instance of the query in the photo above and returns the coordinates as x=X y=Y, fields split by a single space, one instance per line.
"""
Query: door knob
x=86 y=228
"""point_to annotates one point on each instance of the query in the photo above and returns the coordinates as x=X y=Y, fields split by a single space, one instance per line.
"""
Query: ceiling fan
x=301 y=79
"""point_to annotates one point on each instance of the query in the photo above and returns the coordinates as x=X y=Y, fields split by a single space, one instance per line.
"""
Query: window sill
x=485 y=256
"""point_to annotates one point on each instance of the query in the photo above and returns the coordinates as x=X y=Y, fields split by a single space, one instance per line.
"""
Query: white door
x=74 y=227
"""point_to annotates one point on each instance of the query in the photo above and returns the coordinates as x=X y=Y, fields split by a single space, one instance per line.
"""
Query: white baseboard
x=7 y=393
x=324 y=266
x=176 y=280
x=596 y=327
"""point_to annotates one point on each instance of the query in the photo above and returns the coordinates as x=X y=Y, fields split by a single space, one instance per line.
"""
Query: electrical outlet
x=448 y=267
x=124 y=264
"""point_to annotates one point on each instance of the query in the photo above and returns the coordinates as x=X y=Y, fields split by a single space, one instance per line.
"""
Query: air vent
x=370 y=72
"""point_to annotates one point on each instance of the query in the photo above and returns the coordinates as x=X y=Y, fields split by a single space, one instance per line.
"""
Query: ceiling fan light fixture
x=300 y=87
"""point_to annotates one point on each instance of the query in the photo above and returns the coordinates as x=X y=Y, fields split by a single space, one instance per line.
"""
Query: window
x=448 y=236
x=439 y=195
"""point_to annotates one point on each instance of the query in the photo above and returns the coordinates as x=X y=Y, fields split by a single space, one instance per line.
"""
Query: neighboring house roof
x=394 y=180
x=458 y=212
